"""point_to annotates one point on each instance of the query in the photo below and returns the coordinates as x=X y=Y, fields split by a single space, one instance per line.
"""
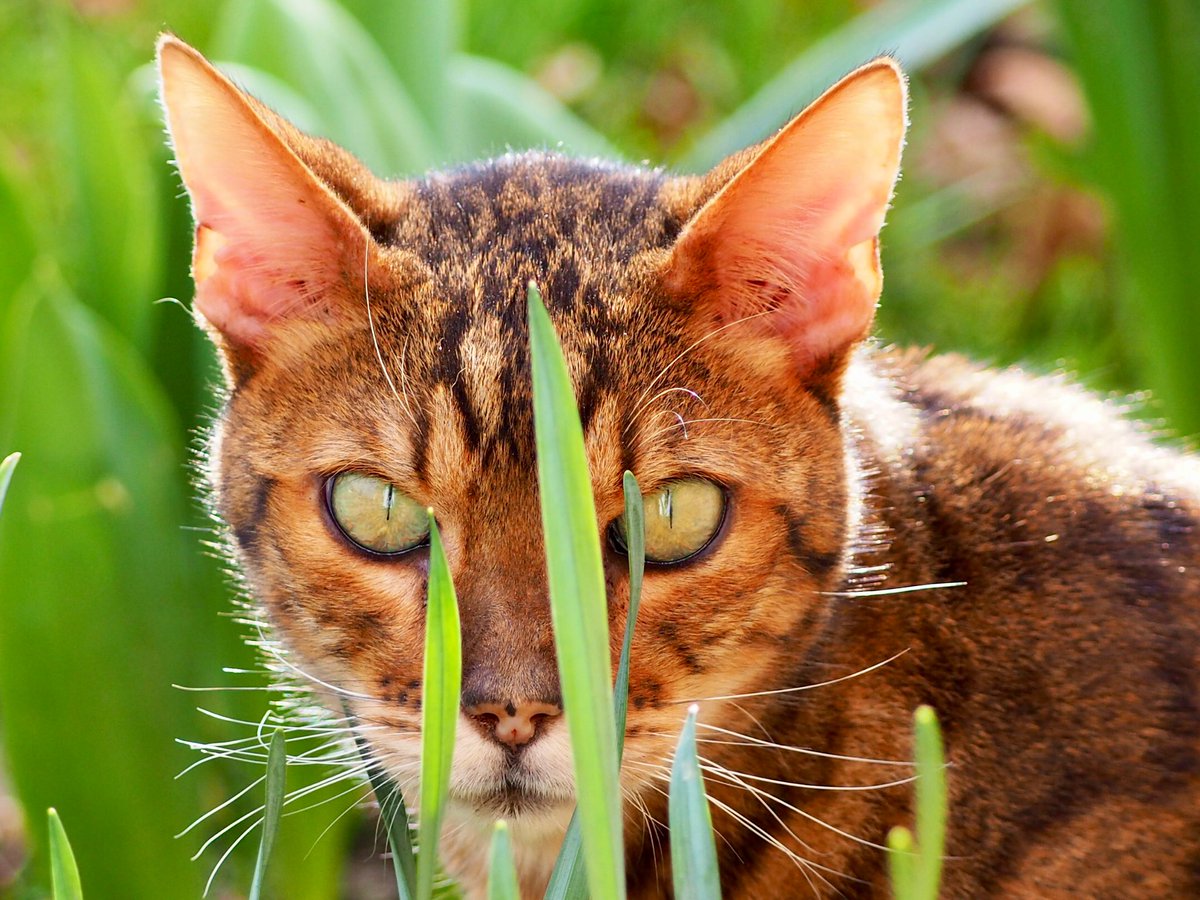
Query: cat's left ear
x=792 y=239
x=274 y=244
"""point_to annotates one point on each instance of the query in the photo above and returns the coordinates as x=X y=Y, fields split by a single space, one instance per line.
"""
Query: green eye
x=682 y=518
x=374 y=514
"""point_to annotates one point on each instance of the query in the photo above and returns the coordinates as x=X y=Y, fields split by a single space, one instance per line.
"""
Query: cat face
x=377 y=357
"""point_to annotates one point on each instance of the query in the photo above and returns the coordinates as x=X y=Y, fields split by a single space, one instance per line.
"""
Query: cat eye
x=374 y=515
x=682 y=518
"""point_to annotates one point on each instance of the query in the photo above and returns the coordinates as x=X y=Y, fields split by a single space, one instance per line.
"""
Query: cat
x=837 y=531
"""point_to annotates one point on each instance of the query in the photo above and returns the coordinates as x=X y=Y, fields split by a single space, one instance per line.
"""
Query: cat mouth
x=512 y=795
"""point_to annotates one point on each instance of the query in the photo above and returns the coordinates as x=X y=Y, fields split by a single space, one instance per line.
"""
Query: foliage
x=104 y=600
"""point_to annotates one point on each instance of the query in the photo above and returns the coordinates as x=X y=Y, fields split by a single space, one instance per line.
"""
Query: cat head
x=374 y=342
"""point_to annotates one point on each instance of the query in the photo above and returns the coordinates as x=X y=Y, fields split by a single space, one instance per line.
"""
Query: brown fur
x=1064 y=670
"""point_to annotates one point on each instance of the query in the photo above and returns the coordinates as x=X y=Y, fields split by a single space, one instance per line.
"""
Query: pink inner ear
x=271 y=239
x=794 y=234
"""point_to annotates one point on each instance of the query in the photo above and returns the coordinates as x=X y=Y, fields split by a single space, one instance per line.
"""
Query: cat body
x=892 y=529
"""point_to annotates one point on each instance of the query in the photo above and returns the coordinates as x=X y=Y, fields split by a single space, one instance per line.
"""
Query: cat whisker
x=799 y=688
x=887 y=592
x=744 y=739
x=688 y=349
x=683 y=423
x=269 y=646
x=807 y=867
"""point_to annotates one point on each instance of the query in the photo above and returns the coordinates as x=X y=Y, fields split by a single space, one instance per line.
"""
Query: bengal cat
x=799 y=479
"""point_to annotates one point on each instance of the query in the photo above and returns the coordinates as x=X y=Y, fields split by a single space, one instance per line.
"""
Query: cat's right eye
x=374 y=515
x=682 y=519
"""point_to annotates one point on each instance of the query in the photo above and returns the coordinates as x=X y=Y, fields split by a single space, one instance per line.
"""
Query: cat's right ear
x=788 y=243
x=273 y=243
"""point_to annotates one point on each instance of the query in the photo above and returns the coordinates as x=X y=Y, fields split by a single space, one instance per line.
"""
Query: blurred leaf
x=6 y=472
x=16 y=231
x=93 y=562
x=501 y=109
x=693 y=847
x=110 y=248
x=916 y=32
x=276 y=775
x=64 y=873
x=502 y=876
x=419 y=39
x=578 y=603
x=1141 y=73
x=322 y=52
x=439 y=706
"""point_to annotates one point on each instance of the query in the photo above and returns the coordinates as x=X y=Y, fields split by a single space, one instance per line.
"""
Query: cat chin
x=535 y=833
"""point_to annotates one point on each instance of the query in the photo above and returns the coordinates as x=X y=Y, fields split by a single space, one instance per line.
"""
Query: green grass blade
x=64 y=873
x=502 y=875
x=693 y=846
x=635 y=545
x=931 y=802
x=578 y=604
x=916 y=31
x=6 y=472
x=902 y=863
x=439 y=708
x=568 y=880
x=276 y=778
x=394 y=815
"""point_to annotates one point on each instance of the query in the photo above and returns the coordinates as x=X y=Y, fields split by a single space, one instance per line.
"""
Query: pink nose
x=511 y=723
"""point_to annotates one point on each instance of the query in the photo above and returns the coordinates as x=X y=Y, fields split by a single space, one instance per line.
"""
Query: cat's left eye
x=375 y=515
x=682 y=519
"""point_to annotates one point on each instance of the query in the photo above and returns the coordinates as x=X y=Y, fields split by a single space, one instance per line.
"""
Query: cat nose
x=512 y=723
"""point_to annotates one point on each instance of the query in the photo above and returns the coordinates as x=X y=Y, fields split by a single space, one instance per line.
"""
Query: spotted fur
x=1057 y=635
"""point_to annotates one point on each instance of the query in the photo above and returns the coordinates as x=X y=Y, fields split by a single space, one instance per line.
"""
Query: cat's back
x=1065 y=663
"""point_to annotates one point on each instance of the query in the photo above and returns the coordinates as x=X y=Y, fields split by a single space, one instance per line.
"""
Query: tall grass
x=104 y=599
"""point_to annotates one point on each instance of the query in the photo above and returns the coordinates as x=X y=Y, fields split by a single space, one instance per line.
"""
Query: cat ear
x=273 y=242
x=792 y=237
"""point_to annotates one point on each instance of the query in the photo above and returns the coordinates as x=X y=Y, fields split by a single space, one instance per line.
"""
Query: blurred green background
x=1046 y=217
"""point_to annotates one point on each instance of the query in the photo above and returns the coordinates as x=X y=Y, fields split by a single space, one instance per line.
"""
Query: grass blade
x=916 y=32
x=439 y=708
x=568 y=880
x=502 y=875
x=578 y=604
x=394 y=815
x=6 y=472
x=915 y=862
x=902 y=863
x=693 y=847
x=64 y=873
x=276 y=778
x=635 y=548
x=931 y=802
